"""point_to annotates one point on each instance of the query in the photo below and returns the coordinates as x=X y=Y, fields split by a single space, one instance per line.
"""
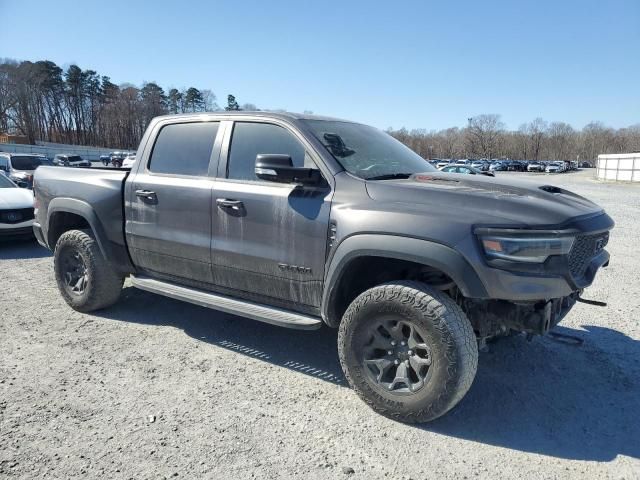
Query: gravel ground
x=155 y=388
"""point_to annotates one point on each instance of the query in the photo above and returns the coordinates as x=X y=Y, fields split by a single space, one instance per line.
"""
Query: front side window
x=367 y=152
x=252 y=139
x=184 y=148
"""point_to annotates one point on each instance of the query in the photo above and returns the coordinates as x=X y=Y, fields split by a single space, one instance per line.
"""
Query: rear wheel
x=117 y=163
x=408 y=350
x=85 y=279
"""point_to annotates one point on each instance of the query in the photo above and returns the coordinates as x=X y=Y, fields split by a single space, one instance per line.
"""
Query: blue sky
x=418 y=64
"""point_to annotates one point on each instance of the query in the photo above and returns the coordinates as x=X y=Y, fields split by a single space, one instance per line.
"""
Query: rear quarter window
x=184 y=148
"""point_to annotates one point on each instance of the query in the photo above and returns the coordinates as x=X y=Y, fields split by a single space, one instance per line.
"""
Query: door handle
x=228 y=203
x=147 y=196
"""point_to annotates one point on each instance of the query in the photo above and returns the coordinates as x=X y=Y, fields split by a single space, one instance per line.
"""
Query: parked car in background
x=497 y=167
x=482 y=165
x=117 y=158
x=535 y=167
x=555 y=167
x=516 y=166
x=64 y=160
x=105 y=159
x=467 y=169
x=20 y=167
x=128 y=160
x=16 y=210
x=442 y=163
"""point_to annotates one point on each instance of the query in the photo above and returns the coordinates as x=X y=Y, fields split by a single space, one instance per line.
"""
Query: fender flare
x=84 y=210
x=116 y=254
x=425 y=252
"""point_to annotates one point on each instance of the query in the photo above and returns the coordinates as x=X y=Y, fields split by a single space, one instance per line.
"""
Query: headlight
x=532 y=249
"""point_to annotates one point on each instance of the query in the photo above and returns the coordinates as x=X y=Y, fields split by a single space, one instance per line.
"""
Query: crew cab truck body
x=301 y=221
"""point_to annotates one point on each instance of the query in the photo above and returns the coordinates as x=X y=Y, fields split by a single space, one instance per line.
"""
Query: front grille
x=16 y=215
x=584 y=249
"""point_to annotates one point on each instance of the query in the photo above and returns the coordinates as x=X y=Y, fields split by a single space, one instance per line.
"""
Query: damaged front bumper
x=542 y=316
x=493 y=318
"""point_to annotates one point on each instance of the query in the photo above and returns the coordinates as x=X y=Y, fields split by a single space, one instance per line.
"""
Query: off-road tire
x=448 y=332
x=116 y=163
x=103 y=284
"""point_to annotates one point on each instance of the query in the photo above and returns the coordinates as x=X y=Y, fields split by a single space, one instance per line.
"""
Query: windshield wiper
x=390 y=176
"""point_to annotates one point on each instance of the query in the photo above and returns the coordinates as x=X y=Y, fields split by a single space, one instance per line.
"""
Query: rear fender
x=113 y=253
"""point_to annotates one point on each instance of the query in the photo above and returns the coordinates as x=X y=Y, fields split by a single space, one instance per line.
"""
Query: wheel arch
x=64 y=214
x=358 y=251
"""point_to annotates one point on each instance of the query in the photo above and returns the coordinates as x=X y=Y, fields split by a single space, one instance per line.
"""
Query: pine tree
x=194 y=100
x=232 y=104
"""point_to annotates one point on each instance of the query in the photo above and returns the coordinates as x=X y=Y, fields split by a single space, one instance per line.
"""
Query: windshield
x=367 y=152
x=25 y=162
x=5 y=182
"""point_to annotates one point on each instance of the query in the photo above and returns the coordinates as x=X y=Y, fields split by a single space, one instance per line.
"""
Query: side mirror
x=279 y=168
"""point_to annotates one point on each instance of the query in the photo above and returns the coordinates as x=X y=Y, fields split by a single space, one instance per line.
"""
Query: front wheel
x=85 y=279
x=407 y=350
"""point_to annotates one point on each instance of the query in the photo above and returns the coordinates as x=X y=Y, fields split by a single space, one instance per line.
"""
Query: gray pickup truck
x=300 y=221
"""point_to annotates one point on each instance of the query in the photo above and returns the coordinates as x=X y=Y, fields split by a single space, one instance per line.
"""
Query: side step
x=255 y=311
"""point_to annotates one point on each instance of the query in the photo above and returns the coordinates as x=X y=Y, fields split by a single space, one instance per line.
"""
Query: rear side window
x=251 y=139
x=184 y=148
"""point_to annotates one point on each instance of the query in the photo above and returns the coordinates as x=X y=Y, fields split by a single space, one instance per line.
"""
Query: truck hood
x=483 y=199
x=14 y=198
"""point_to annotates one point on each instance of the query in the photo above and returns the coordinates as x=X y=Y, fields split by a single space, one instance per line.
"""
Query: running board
x=255 y=311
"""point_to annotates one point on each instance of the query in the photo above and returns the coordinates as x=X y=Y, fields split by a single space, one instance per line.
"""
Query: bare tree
x=483 y=133
x=209 y=98
x=561 y=141
x=536 y=131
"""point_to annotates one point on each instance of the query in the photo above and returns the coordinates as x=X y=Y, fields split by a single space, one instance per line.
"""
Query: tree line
x=43 y=101
x=485 y=136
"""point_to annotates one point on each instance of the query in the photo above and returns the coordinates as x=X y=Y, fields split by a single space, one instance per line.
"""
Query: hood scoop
x=551 y=189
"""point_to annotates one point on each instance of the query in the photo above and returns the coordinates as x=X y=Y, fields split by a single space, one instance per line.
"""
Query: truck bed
x=95 y=194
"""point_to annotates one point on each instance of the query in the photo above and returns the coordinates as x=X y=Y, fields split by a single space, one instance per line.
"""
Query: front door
x=169 y=219
x=269 y=239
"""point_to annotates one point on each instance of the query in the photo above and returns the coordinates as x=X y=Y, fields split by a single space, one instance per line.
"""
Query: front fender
x=425 y=252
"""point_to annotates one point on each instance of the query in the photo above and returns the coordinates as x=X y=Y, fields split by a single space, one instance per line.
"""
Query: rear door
x=269 y=239
x=169 y=209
